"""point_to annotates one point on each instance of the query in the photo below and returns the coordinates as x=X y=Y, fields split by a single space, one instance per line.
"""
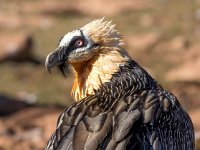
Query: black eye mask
x=73 y=46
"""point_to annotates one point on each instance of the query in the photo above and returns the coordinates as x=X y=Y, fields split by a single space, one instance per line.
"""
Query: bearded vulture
x=118 y=105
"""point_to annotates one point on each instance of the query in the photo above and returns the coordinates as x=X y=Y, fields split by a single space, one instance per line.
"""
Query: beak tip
x=47 y=63
x=49 y=69
x=52 y=60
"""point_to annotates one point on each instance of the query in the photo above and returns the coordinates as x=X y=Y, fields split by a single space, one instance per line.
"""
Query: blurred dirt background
x=162 y=35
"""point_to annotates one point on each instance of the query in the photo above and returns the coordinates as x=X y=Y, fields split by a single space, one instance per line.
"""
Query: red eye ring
x=79 y=42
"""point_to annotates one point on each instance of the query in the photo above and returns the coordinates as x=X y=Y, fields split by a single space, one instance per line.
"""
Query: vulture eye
x=79 y=43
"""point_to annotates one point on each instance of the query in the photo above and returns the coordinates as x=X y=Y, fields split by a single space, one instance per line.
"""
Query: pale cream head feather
x=91 y=75
x=103 y=32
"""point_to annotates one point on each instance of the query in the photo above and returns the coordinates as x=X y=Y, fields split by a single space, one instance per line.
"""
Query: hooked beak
x=51 y=61
x=55 y=58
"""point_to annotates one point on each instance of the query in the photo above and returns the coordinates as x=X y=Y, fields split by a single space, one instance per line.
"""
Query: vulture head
x=94 y=52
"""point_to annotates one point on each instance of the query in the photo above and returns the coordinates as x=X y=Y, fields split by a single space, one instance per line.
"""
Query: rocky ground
x=163 y=36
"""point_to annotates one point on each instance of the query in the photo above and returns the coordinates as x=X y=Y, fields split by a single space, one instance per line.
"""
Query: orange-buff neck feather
x=90 y=75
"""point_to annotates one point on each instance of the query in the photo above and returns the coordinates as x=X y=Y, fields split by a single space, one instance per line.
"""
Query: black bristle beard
x=64 y=69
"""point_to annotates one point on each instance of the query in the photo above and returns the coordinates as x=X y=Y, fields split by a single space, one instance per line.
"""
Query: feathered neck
x=91 y=75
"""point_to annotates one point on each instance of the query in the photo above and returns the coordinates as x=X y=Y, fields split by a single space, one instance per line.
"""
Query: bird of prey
x=118 y=105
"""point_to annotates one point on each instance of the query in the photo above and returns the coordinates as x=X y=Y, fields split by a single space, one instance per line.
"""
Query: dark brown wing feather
x=131 y=112
x=151 y=119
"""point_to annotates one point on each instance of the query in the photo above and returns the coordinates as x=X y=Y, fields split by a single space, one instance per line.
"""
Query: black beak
x=57 y=58
x=52 y=60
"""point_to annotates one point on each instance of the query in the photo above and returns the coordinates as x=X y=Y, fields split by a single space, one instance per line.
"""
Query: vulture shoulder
x=146 y=120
